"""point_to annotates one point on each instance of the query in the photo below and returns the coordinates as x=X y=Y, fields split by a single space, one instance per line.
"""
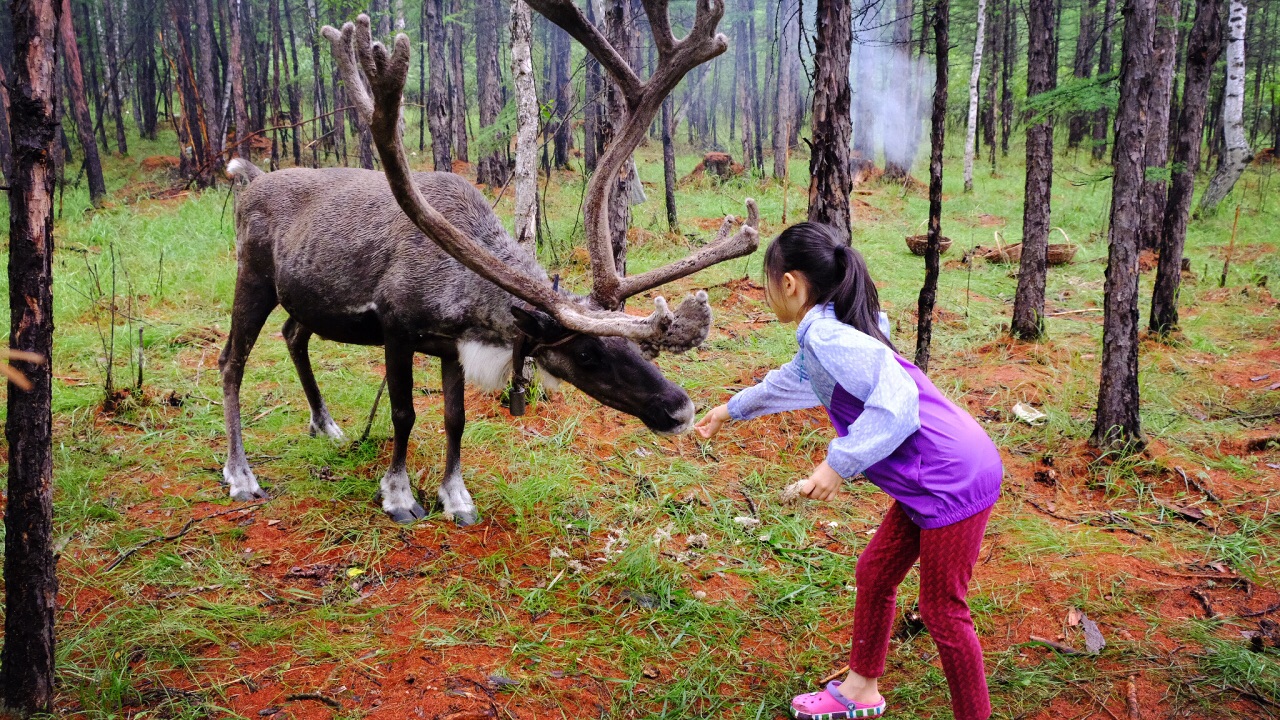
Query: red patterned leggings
x=947 y=557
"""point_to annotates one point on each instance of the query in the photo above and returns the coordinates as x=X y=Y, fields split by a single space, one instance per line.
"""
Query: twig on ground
x=1131 y=701
x=1197 y=485
x=1260 y=613
x=1049 y=512
x=374 y=411
x=834 y=676
x=186 y=528
x=1064 y=649
x=316 y=697
x=1203 y=599
x=750 y=504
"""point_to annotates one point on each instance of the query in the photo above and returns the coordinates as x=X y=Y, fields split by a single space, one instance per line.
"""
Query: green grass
x=186 y=628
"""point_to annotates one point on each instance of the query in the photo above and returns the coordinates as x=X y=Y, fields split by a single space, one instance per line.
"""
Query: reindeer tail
x=242 y=172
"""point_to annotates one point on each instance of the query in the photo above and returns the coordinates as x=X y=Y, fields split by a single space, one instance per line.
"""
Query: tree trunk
x=294 y=82
x=492 y=167
x=1236 y=155
x=1101 y=124
x=753 y=91
x=1203 y=48
x=144 y=62
x=618 y=24
x=1028 y=305
x=236 y=70
x=591 y=137
x=995 y=31
x=1154 y=185
x=6 y=137
x=864 y=101
x=321 y=100
x=457 y=81
x=80 y=108
x=975 y=74
x=1006 y=72
x=669 y=167
x=938 y=128
x=89 y=58
x=31 y=585
x=1082 y=68
x=830 y=182
x=742 y=83
x=788 y=55
x=380 y=11
x=902 y=126
x=563 y=94
x=205 y=82
x=113 y=74
x=438 y=103
x=1118 y=419
x=526 y=179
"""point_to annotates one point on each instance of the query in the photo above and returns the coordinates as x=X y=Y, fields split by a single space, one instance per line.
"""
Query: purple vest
x=946 y=471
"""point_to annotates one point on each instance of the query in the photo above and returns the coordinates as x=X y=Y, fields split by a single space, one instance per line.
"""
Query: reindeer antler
x=377 y=96
x=644 y=100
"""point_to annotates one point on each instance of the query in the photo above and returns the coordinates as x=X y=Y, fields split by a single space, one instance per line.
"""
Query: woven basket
x=919 y=244
x=1006 y=254
x=1061 y=253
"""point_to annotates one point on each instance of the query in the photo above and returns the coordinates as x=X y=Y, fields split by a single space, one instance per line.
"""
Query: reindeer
x=362 y=257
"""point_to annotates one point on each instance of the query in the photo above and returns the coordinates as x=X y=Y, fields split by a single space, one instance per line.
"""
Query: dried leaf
x=1074 y=616
x=1029 y=415
x=651 y=672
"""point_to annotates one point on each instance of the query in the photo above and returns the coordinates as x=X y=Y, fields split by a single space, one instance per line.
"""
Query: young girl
x=895 y=428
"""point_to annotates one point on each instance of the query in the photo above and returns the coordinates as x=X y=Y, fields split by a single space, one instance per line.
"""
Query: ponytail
x=836 y=274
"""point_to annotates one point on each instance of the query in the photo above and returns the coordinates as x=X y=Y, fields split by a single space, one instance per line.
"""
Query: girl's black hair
x=836 y=274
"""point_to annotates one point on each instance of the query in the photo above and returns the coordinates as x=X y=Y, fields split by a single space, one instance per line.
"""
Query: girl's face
x=789 y=297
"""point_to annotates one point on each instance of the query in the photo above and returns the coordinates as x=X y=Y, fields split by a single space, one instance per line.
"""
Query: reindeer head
x=596 y=329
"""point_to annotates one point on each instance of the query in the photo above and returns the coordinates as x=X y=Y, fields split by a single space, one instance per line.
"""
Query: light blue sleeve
x=783 y=389
x=868 y=370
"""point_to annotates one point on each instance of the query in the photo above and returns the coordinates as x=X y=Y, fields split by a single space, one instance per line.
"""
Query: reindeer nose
x=681 y=419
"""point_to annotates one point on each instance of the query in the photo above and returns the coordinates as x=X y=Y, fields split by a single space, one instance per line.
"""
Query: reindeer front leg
x=397 y=491
x=456 y=501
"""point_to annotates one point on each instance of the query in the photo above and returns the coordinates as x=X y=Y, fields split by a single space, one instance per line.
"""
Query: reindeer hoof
x=248 y=495
x=408 y=516
x=463 y=518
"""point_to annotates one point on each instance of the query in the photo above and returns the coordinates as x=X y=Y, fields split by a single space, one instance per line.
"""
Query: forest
x=1063 y=203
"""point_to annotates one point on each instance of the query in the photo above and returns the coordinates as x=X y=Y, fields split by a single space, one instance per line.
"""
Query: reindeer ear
x=537 y=324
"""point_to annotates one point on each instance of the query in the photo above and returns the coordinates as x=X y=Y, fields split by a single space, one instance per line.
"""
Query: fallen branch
x=1260 y=613
x=186 y=528
x=1064 y=649
x=1131 y=702
x=317 y=697
x=1197 y=485
x=834 y=676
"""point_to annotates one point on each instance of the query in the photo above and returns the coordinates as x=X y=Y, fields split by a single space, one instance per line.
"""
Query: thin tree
x=620 y=33
x=864 y=110
x=457 y=79
x=975 y=74
x=562 y=95
x=1082 y=68
x=830 y=182
x=526 y=175
x=902 y=139
x=1203 y=48
x=235 y=69
x=788 y=57
x=1118 y=420
x=79 y=106
x=113 y=73
x=492 y=168
x=31 y=585
x=1042 y=69
x=1236 y=154
x=592 y=140
x=205 y=60
x=1101 y=119
x=1006 y=74
x=937 y=136
x=1154 y=185
x=669 y=165
x=438 y=103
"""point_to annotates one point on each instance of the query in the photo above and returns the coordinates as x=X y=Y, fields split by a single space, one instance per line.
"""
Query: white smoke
x=892 y=83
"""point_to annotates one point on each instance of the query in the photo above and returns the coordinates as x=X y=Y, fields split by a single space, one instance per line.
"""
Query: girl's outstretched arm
x=785 y=388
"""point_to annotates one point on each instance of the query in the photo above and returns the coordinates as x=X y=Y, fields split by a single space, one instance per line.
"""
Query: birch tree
x=971 y=140
x=1237 y=155
x=526 y=176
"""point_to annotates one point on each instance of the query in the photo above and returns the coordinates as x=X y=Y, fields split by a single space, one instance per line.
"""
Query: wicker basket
x=919 y=244
x=1005 y=254
x=1061 y=253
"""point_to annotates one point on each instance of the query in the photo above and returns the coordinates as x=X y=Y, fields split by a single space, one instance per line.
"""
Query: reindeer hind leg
x=298 y=338
x=456 y=500
x=397 y=491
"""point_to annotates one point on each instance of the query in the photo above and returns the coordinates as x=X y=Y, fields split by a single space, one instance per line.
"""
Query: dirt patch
x=156 y=163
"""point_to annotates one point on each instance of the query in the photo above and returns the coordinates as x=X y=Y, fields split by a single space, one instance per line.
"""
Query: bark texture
x=1101 y=120
x=526 y=179
x=1154 y=184
x=788 y=58
x=1028 y=305
x=80 y=108
x=1236 y=154
x=975 y=74
x=937 y=136
x=492 y=168
x=669 y=166
x=31 y=585
x=1118 y=420
x=830 y=181
x=1203 y=48
x=1082 y=67
x=439 y=110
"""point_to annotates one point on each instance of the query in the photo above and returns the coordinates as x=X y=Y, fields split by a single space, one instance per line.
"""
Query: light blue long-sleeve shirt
x=835 y=354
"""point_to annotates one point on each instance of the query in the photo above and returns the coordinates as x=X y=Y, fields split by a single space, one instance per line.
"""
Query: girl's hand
x=823 y=484
x=710 y=423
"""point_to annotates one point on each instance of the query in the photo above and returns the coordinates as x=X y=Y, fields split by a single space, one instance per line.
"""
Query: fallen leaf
x=1093 y=640
x=353 y=572
x=1260 y=378
x=1074 y=616
x=651 y=672
x=1029 y=415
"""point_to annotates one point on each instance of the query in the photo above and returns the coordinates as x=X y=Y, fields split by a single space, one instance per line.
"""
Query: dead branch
x=186 y=528
x=1064 y=649
x=317 y=697
x=1203 y=599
